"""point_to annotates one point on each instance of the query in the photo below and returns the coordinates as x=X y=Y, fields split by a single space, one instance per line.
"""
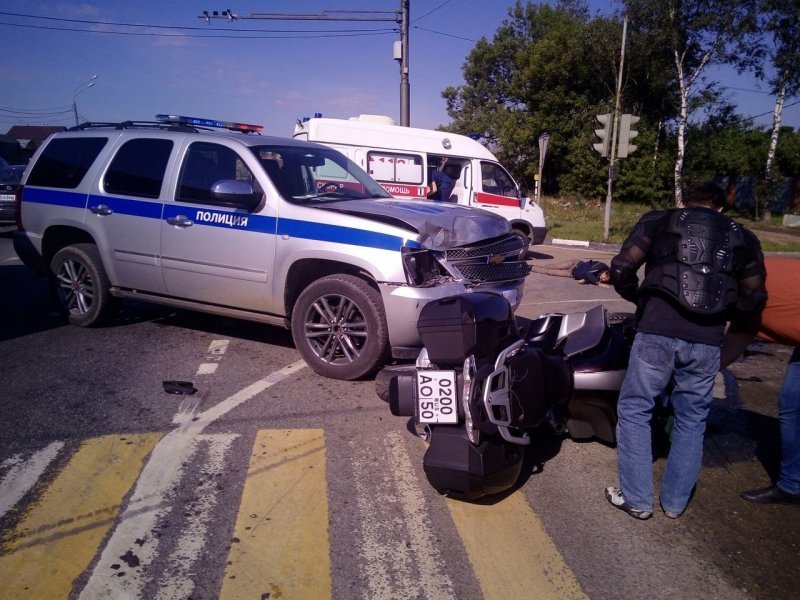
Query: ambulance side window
x=395 y=168
x=495 y=180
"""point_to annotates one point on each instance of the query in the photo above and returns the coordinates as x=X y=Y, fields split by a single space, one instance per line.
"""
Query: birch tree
x=780 y=21
x=698 y=33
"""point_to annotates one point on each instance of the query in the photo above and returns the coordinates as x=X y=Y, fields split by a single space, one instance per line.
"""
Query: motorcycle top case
x=456 y=327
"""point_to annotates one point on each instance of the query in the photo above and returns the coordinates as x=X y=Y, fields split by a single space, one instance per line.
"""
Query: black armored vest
x=696 y=260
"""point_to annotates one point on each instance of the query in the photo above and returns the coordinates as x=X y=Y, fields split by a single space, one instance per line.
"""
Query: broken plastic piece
x=179 y=387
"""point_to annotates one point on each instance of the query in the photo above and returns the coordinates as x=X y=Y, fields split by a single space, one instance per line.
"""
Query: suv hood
x=440 y=226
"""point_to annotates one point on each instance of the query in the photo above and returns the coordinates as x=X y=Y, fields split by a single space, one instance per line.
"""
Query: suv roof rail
x=132 y=124
x=172 y=123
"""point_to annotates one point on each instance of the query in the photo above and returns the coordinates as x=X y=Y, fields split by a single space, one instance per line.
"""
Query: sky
x=284 y=70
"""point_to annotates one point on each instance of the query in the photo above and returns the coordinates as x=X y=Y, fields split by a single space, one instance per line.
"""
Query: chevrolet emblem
x=496 y=259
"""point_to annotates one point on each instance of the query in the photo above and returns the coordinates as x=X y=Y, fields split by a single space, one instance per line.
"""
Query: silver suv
x=212 y=216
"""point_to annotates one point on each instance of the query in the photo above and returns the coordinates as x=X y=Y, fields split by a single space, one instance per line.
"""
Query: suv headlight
x=420 y=266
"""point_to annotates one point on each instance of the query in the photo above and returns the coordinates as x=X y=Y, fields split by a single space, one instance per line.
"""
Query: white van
x=402 y=160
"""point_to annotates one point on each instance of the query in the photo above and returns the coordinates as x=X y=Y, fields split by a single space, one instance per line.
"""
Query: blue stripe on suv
x=211 y=217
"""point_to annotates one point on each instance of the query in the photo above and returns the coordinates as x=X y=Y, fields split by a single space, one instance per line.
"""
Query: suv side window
x=65 y=161
x=138 y=168
x=205 y=164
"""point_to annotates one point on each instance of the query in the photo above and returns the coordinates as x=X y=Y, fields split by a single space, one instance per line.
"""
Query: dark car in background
x=10 y=177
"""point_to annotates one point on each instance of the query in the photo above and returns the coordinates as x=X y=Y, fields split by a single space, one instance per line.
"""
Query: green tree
x=551 y=69
x=697 y=33
x=726 y=146
x=780 y=21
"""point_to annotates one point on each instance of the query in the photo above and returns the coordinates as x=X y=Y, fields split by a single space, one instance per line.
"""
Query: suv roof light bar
x=181 y=120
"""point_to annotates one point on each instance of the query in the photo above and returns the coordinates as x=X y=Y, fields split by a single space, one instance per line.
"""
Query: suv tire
x=81 y=286
x=339 y=327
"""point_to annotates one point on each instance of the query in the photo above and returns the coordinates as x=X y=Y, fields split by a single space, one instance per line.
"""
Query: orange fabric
x=780 y=321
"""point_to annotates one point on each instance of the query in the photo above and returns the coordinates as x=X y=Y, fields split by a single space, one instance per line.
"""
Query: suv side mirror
x=235 y=193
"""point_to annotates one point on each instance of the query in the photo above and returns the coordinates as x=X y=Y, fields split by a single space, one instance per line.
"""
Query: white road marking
x=133 y=547
x=23 y=474
x=216 y=350
x=181 y=563
x=400 y=556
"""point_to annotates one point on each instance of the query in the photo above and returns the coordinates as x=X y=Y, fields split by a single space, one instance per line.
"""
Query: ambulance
x=403 y=159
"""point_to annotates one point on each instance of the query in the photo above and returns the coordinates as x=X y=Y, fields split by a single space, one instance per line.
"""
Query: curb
x=583 y=244
x=558 y=242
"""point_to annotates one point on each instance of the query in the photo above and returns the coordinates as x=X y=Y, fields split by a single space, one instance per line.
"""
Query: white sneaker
x=615 y=497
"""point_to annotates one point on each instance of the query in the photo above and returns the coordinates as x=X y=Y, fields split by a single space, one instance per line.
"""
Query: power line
x=431 y=11
x=175 y=27
x=36 y=111
x=769 y=112
x=458 y=37
x=187 y=35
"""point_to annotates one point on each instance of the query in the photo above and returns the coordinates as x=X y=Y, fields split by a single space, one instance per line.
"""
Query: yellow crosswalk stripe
x=58 y=537
x=511 y=553
x=280 y=544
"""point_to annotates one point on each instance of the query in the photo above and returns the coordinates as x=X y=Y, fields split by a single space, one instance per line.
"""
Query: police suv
x=212 y=216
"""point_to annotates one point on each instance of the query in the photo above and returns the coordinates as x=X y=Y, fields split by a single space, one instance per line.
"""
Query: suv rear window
x=65 y=161
x=138 y=168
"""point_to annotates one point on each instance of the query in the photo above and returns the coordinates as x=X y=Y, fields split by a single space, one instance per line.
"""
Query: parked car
x=183 y=212
x=10 y=177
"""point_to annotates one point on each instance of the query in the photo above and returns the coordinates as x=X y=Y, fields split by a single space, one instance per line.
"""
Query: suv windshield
x=304 y=174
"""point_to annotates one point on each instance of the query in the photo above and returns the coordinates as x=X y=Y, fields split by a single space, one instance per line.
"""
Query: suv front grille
x=488 y=273
x=492 y=262
x=508 y=246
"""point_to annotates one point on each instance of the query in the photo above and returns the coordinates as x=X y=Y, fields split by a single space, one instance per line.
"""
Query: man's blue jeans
x=789 y=414
x=655 y=362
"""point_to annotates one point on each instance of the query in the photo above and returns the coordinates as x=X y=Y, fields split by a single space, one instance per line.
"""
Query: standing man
x=443 y=181
x=779 y=322
x=701 y=269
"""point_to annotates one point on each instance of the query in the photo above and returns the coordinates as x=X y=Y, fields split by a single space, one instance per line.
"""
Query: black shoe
x=771 y=495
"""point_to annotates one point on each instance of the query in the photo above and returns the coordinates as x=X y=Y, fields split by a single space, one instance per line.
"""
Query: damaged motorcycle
x=484 y=380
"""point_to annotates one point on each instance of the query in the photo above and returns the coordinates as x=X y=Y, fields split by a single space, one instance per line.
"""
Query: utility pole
x=612 y=168
x=405 y=87
x=400 y=17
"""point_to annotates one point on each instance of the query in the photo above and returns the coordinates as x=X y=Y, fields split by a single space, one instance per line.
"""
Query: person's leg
x=696 y=368
x=562 y=269
x=649 y=373
x=789 y=414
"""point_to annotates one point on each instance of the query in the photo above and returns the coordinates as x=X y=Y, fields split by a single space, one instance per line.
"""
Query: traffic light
x=626 y=134
x=604 y=134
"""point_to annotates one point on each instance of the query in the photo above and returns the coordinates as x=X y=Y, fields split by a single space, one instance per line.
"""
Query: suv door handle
x=180 y=221
x=101 y=209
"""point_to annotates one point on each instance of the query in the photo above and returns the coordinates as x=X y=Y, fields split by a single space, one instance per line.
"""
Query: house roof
x=34 y=133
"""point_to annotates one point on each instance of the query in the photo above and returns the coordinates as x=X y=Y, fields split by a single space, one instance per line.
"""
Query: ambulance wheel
x=524 y=237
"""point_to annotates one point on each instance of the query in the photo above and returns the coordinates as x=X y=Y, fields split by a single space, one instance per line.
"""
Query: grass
x=576 y=220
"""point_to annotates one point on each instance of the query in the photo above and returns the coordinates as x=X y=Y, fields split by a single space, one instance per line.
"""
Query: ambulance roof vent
x=380 y=119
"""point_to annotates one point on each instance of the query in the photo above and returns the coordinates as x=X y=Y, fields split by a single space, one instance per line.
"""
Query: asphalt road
x=272 y=482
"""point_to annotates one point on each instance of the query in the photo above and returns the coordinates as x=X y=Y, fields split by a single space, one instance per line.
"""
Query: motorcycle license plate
x=436 y=397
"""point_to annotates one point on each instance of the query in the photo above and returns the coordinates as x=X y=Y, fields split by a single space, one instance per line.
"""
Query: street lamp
x=81 y=88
